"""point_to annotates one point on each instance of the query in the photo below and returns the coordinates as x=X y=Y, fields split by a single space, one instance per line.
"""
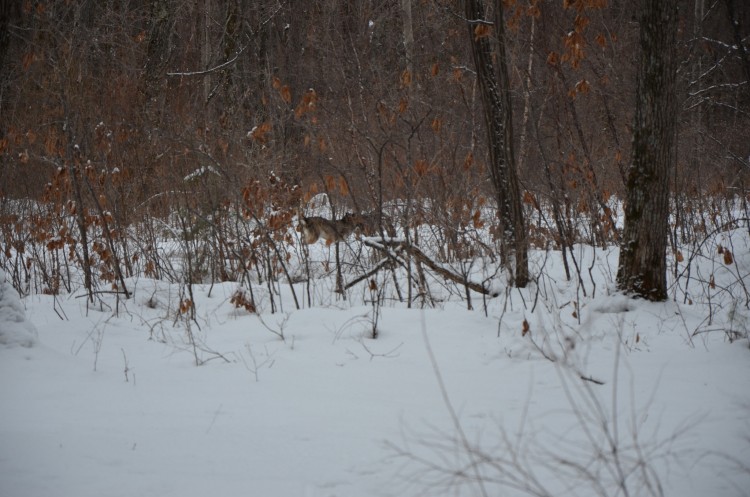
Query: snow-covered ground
x=15 y=329
x=583 y=396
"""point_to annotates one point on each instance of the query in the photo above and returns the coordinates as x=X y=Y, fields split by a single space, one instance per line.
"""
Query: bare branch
x=213 y=69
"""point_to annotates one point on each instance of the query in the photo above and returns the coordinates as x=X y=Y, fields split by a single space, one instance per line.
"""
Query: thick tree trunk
x=494 y=89
x=734 y=19
x=157 y=53
x=8 y=10
x=408 y=33
x=230 y=38
x=642 y=267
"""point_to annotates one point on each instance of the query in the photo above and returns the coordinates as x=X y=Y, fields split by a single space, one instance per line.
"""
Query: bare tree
x=494 y=90
x=734 y=19
x=642 y=264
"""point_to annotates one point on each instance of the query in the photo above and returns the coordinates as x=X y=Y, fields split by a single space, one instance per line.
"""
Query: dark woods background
x=119 y=112
x=341 y=89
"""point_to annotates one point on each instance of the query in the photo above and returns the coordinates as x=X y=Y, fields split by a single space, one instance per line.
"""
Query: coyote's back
x=314 y=228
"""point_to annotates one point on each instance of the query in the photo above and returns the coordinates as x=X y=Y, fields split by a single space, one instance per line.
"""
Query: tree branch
x=213 y=69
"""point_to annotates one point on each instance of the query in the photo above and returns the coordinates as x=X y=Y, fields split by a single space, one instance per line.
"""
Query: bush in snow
x=14 y=328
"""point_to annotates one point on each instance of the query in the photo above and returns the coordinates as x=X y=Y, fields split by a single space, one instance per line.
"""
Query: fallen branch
x=420 y=256
x=592 y=380
x=380 y=265
x=391 y=248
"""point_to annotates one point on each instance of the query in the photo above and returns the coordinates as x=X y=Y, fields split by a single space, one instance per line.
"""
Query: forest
x=223 y=120
x=374 y=248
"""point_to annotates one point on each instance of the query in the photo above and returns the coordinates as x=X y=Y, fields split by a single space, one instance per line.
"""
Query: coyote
x=315 y=227
x=368 y=224
x=363 y=224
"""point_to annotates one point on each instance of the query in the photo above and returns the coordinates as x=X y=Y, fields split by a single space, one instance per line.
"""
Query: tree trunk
x=734 y=19
x=494 y=90
x=206 y=52
x=642 y=269
x=157 y=52
x=232 y=27
x=74 y=168
x=8 y=10
x=408 y=33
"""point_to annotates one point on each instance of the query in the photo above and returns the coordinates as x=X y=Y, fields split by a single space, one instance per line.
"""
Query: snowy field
x=585 y=396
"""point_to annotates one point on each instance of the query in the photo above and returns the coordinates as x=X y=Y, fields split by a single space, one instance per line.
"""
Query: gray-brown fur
x=314 y=228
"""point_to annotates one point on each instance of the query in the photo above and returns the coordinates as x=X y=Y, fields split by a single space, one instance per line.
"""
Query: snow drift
x=15 y=329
